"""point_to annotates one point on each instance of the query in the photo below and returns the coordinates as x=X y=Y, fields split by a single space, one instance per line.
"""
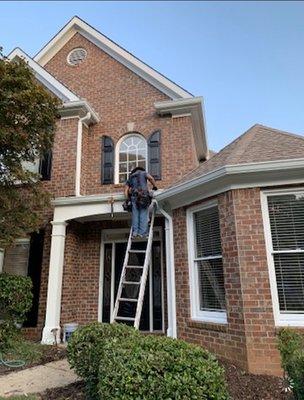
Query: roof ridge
x=280 y=131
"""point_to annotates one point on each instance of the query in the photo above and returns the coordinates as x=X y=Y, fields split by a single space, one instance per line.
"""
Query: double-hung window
x=283 y=214
x=207 y=286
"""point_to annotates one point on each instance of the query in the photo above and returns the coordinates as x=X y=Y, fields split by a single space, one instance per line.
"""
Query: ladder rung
x=137 y=251
x=128 y=300
x=130 y=283
x=135 y=266
x=125 y=318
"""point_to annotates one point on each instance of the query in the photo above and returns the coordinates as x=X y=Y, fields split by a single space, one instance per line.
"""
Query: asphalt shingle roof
x=258 y=144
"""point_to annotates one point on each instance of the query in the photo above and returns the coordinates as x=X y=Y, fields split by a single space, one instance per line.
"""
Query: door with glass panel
x=113 y=257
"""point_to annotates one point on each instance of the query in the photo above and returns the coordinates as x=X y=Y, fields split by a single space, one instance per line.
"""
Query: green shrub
x=86 y=348
x=15 y=301
x=118 y=363
x=291 y=346
x=160 y=368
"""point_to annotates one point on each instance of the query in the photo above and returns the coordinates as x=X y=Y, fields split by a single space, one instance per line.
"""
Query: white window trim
x=218 y=317
x=281 y=319
x=117 y=149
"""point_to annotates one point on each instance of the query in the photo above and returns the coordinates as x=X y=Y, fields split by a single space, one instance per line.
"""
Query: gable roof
x=258 y=152
x=44 y=77
x=140 y=68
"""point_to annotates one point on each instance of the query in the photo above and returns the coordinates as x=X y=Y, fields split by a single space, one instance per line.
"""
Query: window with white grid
x=285 y=229
x=132 y=152
x=207 y=275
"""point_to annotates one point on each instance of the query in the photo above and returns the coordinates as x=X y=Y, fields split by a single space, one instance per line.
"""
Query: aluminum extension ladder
x=140 y=284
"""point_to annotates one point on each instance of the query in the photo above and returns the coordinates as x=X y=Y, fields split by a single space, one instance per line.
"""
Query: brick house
x=227 y=265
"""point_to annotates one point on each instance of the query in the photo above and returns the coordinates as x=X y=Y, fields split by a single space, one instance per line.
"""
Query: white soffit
x=44 y=77
x=147 y=73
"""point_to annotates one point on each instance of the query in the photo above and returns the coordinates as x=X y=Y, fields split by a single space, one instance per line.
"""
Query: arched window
x=131 y=153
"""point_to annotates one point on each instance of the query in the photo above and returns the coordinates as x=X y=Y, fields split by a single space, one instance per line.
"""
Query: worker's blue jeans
x=139 y=220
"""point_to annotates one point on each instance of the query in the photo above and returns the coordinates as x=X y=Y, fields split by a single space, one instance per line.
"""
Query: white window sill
x=211 y=317
x=294 y=320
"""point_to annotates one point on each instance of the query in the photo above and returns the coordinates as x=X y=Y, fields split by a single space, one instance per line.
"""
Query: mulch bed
x=50 y=353
x=242 y=386
x=75 y=391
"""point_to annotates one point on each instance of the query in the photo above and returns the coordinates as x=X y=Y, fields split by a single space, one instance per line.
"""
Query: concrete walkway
x=37 y=379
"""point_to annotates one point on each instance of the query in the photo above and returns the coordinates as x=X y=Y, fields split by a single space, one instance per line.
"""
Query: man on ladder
x=131 y=290
x=136 y=189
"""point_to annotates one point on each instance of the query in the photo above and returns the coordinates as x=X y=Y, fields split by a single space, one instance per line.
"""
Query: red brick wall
x=62 y=181
x=120 y=96
x=249 y=337
x=262 y=352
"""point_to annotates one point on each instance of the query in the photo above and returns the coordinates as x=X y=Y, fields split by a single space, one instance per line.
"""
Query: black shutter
x=107 y=160
x=45 y=166
x=154 y=156
x=34 y=272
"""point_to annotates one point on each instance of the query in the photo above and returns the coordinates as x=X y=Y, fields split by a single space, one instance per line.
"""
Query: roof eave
x=194 y=107
x=272 y=173
x=80 y=109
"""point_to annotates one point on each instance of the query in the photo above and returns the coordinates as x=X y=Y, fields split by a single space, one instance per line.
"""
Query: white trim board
x=281 y=319
x=147 y=73
x=45 y=77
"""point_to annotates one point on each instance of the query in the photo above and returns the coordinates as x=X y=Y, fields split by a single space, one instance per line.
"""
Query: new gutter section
x=268 y=173
x=79 y=152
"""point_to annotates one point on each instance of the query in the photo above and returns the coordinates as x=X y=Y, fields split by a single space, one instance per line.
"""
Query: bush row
x=117 y=362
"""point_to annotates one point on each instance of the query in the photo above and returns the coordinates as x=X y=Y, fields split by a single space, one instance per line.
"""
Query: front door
x=113 y=257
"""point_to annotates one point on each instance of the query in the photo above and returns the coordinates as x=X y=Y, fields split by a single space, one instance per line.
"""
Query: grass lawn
x=32 y=354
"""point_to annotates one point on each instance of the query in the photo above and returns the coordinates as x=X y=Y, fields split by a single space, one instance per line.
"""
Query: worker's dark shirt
x=138 y=180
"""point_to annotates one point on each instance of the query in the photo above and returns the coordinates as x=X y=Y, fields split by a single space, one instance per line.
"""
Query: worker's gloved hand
x=154 y=188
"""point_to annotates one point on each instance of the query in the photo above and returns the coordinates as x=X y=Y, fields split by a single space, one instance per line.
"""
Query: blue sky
x=245 y=58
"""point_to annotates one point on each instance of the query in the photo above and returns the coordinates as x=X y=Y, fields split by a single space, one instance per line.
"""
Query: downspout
x=170 y=268
x=79 y=153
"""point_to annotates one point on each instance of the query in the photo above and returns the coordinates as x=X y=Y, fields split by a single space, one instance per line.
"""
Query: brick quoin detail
x=249 y=337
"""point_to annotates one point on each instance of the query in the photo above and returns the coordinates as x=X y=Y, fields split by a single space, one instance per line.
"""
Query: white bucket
x=68 y=330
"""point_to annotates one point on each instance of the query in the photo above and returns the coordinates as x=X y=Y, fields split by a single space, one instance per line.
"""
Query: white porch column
x=53 y=305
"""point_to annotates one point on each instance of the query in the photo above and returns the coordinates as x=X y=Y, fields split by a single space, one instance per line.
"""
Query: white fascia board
x=45 y=77
x=194 y=107
x=63 y=201
x=79 y=108
x=156 y=79
x=272 y=173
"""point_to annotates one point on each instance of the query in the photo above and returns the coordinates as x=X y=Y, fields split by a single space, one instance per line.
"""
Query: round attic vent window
x=76 y=56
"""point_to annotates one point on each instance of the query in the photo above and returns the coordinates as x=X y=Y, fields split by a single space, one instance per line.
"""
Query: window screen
x=286 y=216
x=208 y=260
